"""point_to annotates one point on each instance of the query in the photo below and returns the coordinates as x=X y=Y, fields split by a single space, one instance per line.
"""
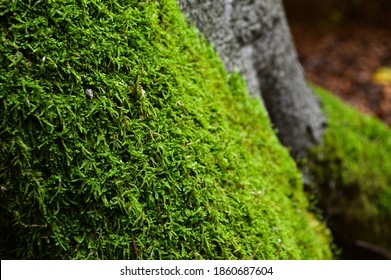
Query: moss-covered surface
x=123 y=137
x=352 y=172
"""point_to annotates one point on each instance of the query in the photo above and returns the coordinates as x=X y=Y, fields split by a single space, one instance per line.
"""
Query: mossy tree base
x=122 y=137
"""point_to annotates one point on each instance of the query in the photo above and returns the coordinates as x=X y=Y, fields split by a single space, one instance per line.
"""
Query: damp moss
x=122 y=137
x=352 y=173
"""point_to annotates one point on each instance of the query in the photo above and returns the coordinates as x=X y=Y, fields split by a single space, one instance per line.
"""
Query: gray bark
x=253 y=37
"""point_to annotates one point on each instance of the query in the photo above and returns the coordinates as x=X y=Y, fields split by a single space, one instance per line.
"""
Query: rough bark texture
x=252 y=36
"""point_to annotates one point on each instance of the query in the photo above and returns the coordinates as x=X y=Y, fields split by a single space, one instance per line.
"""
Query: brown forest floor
x=341 y=51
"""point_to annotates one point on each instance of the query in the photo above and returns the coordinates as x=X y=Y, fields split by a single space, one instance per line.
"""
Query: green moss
x=352 y=172
x=169 y=159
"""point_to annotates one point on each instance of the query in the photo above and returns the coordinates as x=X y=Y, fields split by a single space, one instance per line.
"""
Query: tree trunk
x=252 y=36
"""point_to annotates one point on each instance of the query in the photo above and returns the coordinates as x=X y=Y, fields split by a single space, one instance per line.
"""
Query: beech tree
x=253 y=36
x=123 y=137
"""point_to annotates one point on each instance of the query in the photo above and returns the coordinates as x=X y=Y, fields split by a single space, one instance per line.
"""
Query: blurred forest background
x=345 y=46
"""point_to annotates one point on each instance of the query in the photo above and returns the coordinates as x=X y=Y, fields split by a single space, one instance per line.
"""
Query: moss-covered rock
x=352 y=174
x=123 y=137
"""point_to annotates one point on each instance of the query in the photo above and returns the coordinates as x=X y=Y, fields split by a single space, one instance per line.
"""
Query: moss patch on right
x=352 y=173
